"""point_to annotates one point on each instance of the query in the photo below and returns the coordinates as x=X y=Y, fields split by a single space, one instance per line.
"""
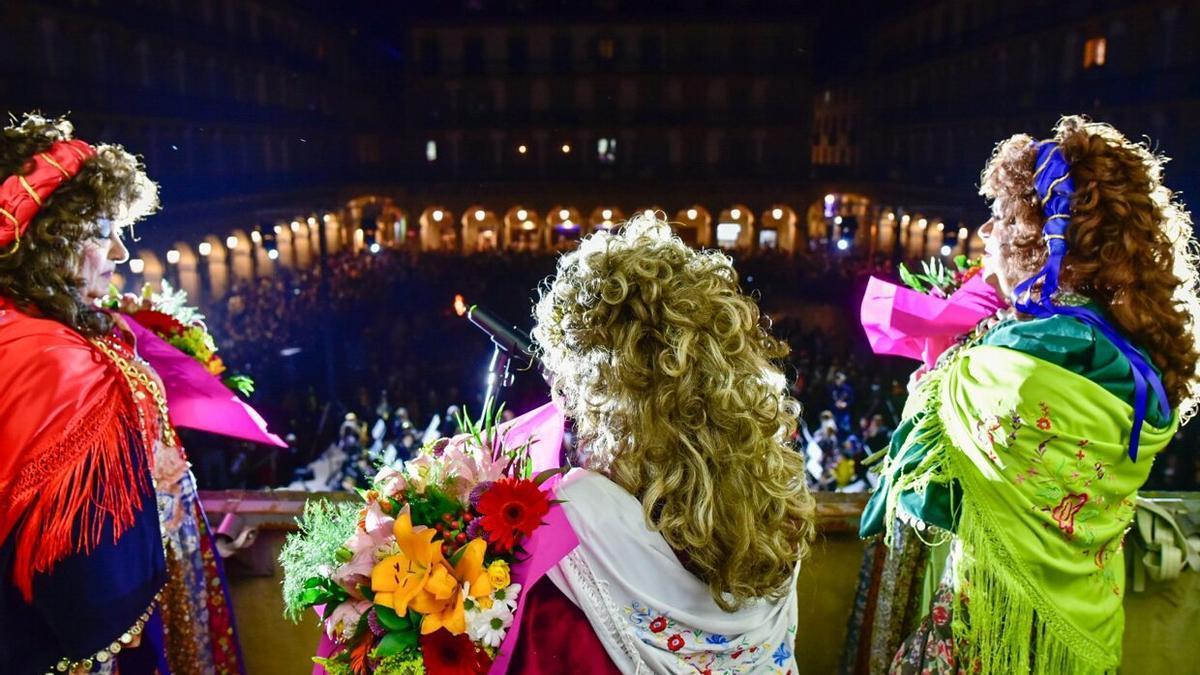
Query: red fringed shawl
x=75 y=449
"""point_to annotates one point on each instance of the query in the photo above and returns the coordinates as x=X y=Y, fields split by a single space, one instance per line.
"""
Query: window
x=606 y=150
x=1095 y=52
x=473 y=55
x=518 y=54
x=431 y=56
x=560 y=53
x=606 y=49
x=651 y=52
x=431 y=151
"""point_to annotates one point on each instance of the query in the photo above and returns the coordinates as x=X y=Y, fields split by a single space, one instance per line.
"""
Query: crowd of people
x=366 y=355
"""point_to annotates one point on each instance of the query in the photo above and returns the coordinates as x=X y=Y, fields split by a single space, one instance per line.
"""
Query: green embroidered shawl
x=1025 y=460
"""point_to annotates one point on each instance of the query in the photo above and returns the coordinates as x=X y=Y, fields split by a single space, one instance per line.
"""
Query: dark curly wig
x=42 y=273
x=1130 y=245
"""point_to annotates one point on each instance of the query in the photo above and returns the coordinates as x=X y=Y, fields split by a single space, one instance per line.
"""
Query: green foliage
x=408 y=663
x=427 y=508
x=323 y=528
x=241 y=384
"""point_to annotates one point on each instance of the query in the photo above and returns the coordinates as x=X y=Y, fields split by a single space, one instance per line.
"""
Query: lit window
x=606 y=49
x=431 y=151
x=1095 y=52
x=728 y=233
x=606 y=150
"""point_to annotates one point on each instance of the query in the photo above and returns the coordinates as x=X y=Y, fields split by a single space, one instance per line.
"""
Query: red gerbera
x=158 y=322
x=446 y=654
x=511 y=508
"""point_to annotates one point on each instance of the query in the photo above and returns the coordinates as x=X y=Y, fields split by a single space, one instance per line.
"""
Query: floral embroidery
x=1064 y=514
x=707 y=652
x=1043 y=422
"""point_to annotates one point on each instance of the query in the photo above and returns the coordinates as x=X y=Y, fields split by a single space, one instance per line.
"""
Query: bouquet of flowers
x=939 y=280
x=923 y=320
x=168 y=316
x=416 y=578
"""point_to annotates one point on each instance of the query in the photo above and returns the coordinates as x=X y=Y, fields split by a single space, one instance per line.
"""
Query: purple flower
x=475 y=530
x=373 y=623
x=479 y=492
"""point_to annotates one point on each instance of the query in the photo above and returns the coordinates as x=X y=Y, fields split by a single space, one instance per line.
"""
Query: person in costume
x=691 y=508
x=106 y=563
x=1023 y=449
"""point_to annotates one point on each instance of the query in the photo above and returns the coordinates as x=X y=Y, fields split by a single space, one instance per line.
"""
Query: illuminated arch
x=694 y=225
x=524 y=230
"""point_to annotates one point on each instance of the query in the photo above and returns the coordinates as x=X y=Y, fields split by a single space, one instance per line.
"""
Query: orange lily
x=442 y=600
x=397 y=579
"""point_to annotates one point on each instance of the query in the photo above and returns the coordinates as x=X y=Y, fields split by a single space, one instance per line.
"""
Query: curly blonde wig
x=1130 y=244
x=673 y=384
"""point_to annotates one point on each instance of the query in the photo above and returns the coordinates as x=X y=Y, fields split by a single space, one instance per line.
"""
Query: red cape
x=72 y=448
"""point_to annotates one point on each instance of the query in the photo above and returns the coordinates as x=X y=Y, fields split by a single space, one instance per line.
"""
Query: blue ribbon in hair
x=1052 y=178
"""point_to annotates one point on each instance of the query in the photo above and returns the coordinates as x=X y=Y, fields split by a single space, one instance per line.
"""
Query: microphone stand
x=499 y=376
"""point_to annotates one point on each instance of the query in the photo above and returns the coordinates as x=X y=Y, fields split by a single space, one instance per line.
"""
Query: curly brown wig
x=1131 y=247
x=677 y=396
x=42 y=273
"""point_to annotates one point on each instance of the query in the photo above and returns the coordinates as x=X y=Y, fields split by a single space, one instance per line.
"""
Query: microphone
x=506 y=336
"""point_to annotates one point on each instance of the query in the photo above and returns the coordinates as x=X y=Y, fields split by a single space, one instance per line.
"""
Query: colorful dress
x=1015 y=450
x=106 y=560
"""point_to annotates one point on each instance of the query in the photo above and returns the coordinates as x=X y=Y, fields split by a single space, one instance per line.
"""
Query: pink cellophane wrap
x=196 y=398
x=902 y=322
x=549 y=544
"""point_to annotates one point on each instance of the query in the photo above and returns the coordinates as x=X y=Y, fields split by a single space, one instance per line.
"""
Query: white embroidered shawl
x=650 y=613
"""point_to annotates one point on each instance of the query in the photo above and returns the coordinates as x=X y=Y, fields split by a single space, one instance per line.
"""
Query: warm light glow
x=829 y=199
x=837 y=220
x=205 y=248
x=327 y=217
x=358 y=233
x=137 y=265
x=566 y=148
x=296 y=226
x=528 y=225
x=313 y=221
x=564 y=214
x=962 y=233
x=736 y=214
x=607 y=223
x=173 y=256
x=273 y=254
x=941 y=227
x=648 y=213
x=256 y=237
x=231 y=241
x=568 y=224
x=438 y=215
x=522 y=214
x=842 y=245
x=606 y=214
x=890 y=216
x=922 y=223
x=460 y=305
x=278 y=229
x=692 y=214
x=905 y=219
x=945 y=250
x=375 y=247
x=522 y=149
x=479 y=214
x=777 y=214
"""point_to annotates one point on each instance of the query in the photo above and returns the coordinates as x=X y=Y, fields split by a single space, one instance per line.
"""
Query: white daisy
x=507 y=596
x=494 y=626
